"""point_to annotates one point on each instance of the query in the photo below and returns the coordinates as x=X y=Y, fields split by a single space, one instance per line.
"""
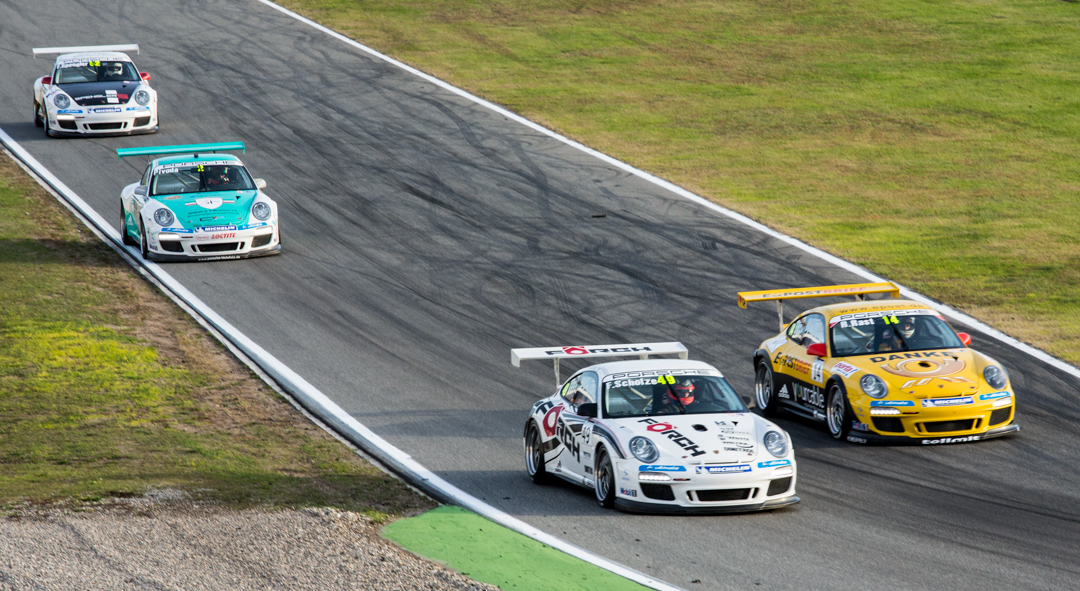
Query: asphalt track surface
x=424 y=236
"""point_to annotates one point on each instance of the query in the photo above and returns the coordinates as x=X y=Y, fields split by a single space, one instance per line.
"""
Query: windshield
x=198 y=178
x=667 y=394
x=96 y=71
x=864 y=333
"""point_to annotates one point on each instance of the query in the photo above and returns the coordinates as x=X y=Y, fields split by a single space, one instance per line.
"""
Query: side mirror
x=140 y=190
x=817 y=350
x=260 y=184
x=587 y=410
x=46 y=80
x=145 y=76
x=964 y=338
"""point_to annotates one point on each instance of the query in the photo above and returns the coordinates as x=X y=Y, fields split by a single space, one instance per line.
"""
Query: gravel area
x=168 y=542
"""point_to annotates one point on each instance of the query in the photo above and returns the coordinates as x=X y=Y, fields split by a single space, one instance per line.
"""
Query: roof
x=867 y=306
x=192 y=158
x=613 y=367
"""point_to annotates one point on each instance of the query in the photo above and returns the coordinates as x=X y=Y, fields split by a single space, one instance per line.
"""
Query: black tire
x=45 y=124
x=838 y=415
x=604 y=480
x=534 y=454
x=765 y=389
x=127 y=239
x=142 y=242
x=37 y=115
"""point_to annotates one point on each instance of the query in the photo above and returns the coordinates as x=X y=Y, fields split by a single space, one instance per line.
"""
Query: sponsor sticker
x=854 y=318
x=216 y=228
x=783 y=392
x=856 y=425
x=69 y=111
x=774 y=463
x=945 y=440
x=994 y=396
x=938 y=402
x=138 y=108
x=874 y=403
x=106 y=110
x=587 y=351
x=677 y=438
x=660 y=468
x=845 y=369
x=854 y=439
x=627 y=492
x=726 y=469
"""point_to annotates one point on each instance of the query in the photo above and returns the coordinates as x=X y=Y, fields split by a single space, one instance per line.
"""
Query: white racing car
x=656 y=435
x=94 y=90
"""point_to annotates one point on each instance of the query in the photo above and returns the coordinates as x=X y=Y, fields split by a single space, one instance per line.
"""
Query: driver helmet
x=114 y=69
x=684 y=391
x=907 y=326
x=220 y=177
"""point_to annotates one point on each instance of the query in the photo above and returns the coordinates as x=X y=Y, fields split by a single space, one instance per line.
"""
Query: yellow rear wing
x=859 y=290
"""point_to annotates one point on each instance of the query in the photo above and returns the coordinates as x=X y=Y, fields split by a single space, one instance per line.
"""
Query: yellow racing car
x=885 y=370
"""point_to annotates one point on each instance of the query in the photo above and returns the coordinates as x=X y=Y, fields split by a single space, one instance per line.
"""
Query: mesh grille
x=888 y=424
x=778 y=486
x=728 y=494
x=1000 y=415
x=140 y=121
x=660 y=492
x=172 y=246
x=946 y=426
x=66 y=124
x=263 y=240
x=102 y=126
x=223 y=247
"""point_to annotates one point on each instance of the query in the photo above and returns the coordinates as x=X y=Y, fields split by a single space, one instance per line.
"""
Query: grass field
x=108 y=389
x=936 y=143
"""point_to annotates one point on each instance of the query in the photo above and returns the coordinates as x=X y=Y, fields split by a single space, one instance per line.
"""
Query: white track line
x=309 y=396
x=857 y=270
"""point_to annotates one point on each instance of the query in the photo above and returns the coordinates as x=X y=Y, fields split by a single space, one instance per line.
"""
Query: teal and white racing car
x=195 y=203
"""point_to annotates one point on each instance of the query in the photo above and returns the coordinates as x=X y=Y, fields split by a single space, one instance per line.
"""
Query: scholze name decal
x=676 y=437
x=590 y=351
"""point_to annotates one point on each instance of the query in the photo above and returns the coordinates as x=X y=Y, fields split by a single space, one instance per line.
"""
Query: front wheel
x=838 y=412
x=605 y=480
x=534 y=454
x=142 y=242
x=765 y=389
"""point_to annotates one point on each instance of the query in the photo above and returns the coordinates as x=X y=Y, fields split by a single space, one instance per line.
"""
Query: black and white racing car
x=656 y=435
x=94 y=90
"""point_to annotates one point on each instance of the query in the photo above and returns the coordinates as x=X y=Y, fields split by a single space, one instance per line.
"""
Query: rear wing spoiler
x=640 y=350
x=859 y=290
x=87 y=48
x=195 y=149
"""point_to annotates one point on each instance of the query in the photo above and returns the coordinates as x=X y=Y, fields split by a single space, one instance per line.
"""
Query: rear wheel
x=838 y=412
x=38 y=119
x=765 y=388
x=605 y=480
x=534 y=454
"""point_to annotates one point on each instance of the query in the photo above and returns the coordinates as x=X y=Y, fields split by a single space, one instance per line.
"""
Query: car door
x=800 y=375
x=571 y=430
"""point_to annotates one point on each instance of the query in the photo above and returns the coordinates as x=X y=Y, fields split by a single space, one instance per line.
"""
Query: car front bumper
x=176 y=245
x=104 y=120
x=695 y=490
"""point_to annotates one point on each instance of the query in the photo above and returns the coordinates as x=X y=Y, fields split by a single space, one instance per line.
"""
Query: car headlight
x=776 y=443
x=643 y=449
x=261 y=211
x=163 y=217
x=874 y=386
x=995 y=376
x=61 y=101
x=142 y=97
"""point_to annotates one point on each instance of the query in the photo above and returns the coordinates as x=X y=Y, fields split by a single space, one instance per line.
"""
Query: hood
x=719 y=438
x=98 y=93
x=211 y=208
x=923 y=374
